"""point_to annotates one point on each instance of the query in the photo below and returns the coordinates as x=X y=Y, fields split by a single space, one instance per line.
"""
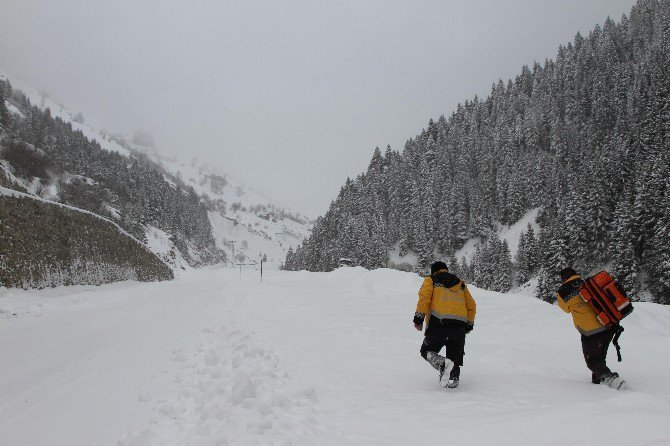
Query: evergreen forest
x=584 y=137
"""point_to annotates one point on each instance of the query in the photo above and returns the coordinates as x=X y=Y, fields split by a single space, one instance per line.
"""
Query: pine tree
x=544 y=290
x=479 y=268
x=527 y=256
x=454 y=267
x=4 y=113
x=466 y=270
x=521 y=260
x=504 y=277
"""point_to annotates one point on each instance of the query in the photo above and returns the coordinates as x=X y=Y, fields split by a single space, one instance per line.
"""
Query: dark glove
x=418 y=318
x=469 y=326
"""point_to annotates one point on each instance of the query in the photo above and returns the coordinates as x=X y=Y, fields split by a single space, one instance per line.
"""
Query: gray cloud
x=290 y=97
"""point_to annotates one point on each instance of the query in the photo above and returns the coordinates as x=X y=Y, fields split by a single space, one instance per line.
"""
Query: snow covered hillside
x=218 y=357
x=51 y=155
x=43 y=101
x=508 y=233
x=245 y=224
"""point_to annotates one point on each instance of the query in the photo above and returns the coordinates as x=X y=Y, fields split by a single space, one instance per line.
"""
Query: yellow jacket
x=583 y=316
x=446 y=298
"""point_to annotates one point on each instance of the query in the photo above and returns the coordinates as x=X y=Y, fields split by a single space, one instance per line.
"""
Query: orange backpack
x=607 y=298
x=609 y=301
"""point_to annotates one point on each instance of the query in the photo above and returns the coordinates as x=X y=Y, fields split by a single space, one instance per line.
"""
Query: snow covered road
x=213 y=358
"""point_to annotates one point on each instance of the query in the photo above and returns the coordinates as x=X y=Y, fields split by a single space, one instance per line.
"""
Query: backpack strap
x=615 y=341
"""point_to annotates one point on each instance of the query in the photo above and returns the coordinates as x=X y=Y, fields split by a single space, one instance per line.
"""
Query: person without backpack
x=596 y=336
x=448 y=310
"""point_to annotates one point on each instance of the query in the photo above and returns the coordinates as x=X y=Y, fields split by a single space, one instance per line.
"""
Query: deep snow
x=217 y=357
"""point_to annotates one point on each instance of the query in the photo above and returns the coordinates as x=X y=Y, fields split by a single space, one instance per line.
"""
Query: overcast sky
x=290 y=97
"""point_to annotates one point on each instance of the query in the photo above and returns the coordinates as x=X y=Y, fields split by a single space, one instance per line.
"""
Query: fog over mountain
x=289 y=97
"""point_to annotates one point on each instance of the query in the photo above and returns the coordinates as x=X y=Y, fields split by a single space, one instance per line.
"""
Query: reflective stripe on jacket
x=583 y=316
x=445 y=296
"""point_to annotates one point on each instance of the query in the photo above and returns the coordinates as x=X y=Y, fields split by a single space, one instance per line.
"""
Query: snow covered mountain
x=215 y=357
x=43 y=101
x=245 y=224
x=186 y=215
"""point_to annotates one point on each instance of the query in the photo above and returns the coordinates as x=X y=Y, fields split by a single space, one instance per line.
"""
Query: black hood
x=445 y=278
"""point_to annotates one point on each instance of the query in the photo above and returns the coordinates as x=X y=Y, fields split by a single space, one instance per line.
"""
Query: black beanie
x=435 y=267
x=566 y=273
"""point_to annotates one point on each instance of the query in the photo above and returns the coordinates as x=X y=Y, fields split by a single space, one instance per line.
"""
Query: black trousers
x=451 y=336
x=595 y=348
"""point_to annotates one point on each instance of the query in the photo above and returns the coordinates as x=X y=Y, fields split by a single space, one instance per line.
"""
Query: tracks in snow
x=232 y=390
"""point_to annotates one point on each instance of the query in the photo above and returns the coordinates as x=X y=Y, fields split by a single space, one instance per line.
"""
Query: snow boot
x=454 y=375
x=442 y=365
x=445 y=373
x=614 y=381
x=435 y=360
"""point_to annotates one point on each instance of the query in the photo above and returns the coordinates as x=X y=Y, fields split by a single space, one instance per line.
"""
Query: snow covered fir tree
x=584 y=137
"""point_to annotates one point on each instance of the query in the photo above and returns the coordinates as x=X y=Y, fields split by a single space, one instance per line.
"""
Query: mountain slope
x=584 y=137
x=186 y=216
x=311 y=358
x=58 y=161
x=246 y=225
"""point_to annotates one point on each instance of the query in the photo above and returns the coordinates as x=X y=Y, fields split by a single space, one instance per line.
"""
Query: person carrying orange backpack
x=595 y=335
